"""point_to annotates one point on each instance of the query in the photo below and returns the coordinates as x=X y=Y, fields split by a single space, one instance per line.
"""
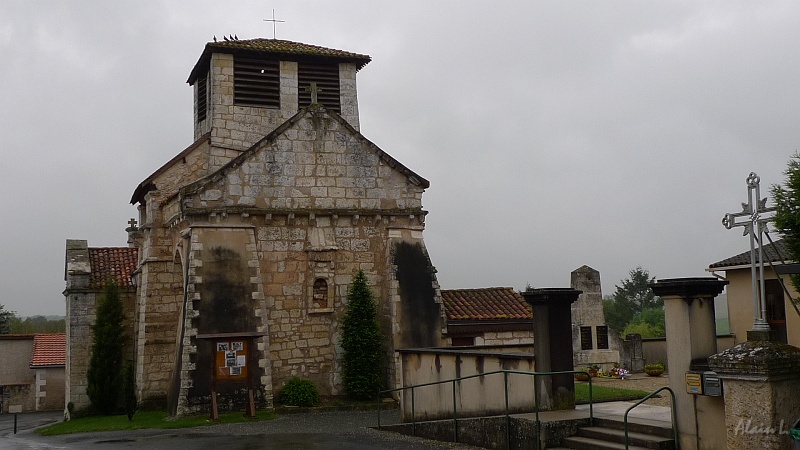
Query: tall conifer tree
x=104 y=376
x=362 y=368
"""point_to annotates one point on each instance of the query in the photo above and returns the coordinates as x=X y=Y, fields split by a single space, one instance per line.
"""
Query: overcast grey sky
x=554 y=134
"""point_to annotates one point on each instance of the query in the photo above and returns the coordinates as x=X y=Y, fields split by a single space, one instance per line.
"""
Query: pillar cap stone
x=757 y=359
x=547 y=296
x=688 y=288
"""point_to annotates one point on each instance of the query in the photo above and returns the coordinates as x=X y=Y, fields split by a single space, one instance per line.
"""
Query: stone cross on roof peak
x=314 y=90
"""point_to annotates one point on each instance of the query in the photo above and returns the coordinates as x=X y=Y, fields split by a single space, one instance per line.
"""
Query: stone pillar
x=761 y=380
x=691 y=339
x=552 y=345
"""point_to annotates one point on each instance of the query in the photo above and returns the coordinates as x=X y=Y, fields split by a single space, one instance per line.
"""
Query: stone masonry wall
x=239 y=127
x=159 y=308
x=50 y=389
x=319 y=165
x=505 y=338
x=80 y=316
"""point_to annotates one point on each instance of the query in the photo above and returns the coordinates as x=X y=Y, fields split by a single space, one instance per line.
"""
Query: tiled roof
x=276 y=47
x=49 y=350
x=117 y=263
x=485 y=304
x=774 y=253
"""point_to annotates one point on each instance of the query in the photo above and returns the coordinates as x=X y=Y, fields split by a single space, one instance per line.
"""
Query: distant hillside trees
x=5 y=320
x=633 y=308
x=37 y=324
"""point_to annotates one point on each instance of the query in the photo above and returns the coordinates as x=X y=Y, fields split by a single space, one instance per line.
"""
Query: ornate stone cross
x=755 y=225
x=273 y=22
x=314 y=90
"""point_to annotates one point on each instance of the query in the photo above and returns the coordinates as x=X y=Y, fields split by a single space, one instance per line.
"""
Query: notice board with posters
x=230 y=361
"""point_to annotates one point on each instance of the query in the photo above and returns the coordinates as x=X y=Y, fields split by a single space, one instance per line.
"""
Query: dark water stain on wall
x=420 y=323
x=225 y=306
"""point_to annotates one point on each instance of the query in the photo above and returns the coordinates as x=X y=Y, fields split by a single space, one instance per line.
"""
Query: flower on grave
x=618 y=372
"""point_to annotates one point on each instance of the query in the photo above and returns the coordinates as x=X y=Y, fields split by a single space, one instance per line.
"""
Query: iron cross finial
x=132 y=223
x=755 y=215
x=274 y=21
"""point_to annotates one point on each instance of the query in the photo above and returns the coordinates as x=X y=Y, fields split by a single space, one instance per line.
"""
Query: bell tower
x=245 y=89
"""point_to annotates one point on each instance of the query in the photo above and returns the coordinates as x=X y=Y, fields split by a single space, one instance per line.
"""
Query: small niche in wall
x=321 y=296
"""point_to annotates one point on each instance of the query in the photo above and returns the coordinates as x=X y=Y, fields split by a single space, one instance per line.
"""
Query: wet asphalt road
x=331 y=430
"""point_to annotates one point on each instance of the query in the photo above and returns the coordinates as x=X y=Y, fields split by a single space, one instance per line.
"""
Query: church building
x=248 y=239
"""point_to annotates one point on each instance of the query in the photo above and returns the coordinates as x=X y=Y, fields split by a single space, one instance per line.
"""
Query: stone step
x=585 y=443
x=638 y=427
x=634 y=438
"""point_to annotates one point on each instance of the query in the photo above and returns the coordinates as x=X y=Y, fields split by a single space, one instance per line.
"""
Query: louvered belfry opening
x=327 y=78
x=202 y=98
x=256 y=83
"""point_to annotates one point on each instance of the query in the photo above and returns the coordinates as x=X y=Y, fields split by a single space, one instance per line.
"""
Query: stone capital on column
x=689 y=288
x=551 y=296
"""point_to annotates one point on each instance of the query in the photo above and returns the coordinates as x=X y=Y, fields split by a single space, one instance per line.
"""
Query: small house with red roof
x=32 y=372
x=493 y=316
x=250 y=237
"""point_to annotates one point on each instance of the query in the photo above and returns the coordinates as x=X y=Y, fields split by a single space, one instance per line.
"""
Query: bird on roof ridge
x=225 y=37
x=215 y=38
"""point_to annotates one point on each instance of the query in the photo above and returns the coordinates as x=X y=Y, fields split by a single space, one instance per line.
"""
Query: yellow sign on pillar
x=694 y=383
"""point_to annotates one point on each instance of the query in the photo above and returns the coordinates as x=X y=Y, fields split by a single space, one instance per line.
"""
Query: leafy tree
x=362 y=370
x=787 y=212
x=104 y=376
x=6 y=318
x=649 y=323
x=631 y=297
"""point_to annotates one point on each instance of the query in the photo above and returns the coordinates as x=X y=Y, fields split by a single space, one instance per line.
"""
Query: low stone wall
x=479 y=396
x=18 y=398
x=654 y=350
x=496 y=432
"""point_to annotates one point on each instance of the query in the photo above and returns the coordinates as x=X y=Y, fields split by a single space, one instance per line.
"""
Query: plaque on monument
x=602 y=337
x=586 y=338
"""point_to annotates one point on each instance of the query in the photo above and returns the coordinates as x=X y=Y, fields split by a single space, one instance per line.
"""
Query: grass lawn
x=605 y=394
x=145 y=419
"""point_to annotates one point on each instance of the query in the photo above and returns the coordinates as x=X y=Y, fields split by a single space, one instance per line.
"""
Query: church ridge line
x=277 y=47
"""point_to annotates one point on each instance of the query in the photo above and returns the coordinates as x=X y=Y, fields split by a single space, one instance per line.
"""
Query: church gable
x=188 y=165
x=316 y=161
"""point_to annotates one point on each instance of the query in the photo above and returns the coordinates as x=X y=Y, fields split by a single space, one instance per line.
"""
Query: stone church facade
x=255 y=231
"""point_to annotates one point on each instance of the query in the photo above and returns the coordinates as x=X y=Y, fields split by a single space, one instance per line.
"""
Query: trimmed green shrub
x=362 y=368
x=299 y=392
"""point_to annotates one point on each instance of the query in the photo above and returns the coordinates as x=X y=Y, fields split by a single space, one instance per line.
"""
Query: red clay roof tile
x=117 y=263
x=49 y=350
x=485 y=304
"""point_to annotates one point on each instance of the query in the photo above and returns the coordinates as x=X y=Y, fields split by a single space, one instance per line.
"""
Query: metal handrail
x=505 y=387
x=673 y=416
